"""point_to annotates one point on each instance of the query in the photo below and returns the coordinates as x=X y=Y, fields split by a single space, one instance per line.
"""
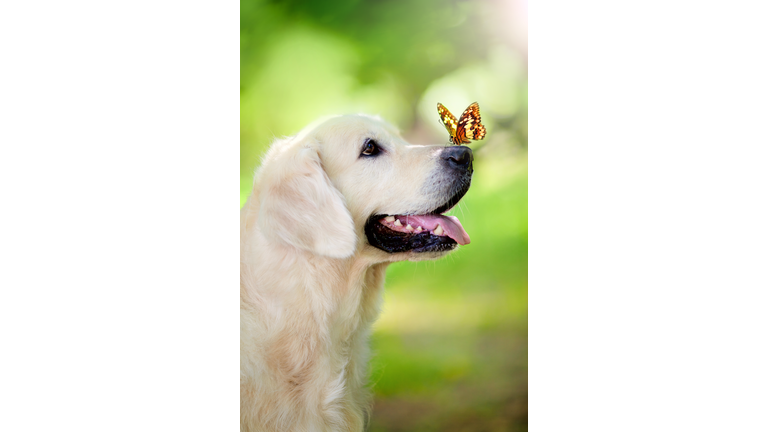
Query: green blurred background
x=451 y=343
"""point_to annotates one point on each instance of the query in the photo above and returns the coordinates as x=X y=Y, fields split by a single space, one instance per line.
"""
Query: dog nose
x=459 y=157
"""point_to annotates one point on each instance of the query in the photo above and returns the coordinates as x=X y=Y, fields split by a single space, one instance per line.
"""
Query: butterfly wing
x=448 y=119
x=469 y=127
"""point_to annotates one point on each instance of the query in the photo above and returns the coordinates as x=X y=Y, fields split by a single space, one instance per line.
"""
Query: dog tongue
x=451 y=225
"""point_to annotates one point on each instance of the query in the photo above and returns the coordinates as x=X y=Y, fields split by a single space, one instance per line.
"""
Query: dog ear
x=301 y=207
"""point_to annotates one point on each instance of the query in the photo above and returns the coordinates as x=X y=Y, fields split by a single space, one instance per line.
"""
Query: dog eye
x=370 y=148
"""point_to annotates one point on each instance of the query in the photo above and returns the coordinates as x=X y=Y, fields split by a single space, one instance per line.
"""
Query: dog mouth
x=430 y=232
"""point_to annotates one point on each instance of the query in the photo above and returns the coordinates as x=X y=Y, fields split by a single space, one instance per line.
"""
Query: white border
x=648 y=217
x=119 y=171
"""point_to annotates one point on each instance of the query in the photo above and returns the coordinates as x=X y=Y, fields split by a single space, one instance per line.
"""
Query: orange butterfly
x=468 y=126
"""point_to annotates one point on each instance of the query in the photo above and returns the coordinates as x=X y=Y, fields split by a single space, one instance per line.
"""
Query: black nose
x=458 y=157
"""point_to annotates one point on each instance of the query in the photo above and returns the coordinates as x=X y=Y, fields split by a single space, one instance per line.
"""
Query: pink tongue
x=451 y=225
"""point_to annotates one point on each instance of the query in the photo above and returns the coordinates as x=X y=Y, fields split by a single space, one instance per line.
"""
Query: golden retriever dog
x=331 y=208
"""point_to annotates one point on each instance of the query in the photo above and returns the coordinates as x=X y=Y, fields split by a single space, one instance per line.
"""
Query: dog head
x=352 y=185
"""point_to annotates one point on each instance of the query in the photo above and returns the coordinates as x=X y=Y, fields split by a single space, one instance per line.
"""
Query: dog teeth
x=418 y=230
x=409 y=227
x=438 y=230
x=389 y=218
x=397 y=223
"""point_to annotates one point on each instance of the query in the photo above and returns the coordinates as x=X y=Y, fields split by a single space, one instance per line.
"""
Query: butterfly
x=468 y=126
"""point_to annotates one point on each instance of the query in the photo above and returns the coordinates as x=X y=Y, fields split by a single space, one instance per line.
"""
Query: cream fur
x=310 y=284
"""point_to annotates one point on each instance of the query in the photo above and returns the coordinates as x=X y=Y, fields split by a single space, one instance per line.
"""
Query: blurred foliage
x=451 y=342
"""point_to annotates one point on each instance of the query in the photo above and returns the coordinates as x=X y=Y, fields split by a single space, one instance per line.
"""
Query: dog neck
x=313 y=318
x=290 y=280
x=338 y=296
x=331 y=284
x=305 y=324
